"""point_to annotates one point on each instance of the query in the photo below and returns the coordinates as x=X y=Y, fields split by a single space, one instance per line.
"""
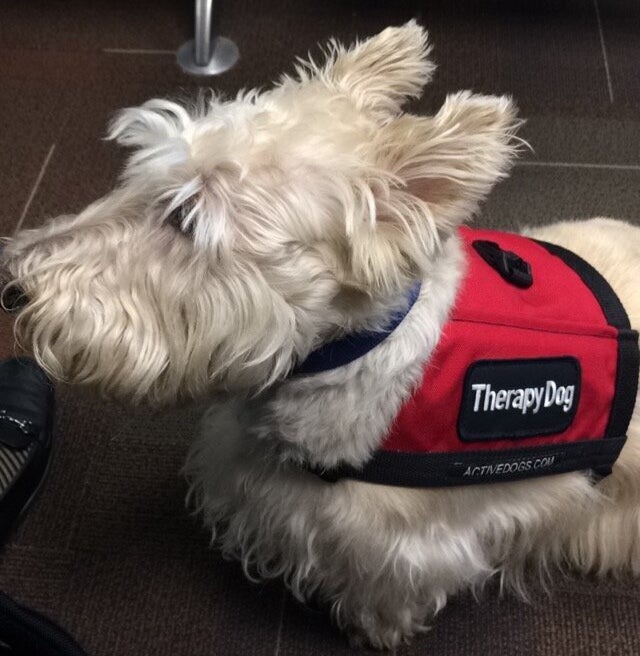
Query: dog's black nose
x=12 y=298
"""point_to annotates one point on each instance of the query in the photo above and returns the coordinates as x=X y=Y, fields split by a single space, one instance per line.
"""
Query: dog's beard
x=154 y=322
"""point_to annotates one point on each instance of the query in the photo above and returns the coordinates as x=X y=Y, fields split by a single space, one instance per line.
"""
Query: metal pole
x=203 y=26
x=207 y=53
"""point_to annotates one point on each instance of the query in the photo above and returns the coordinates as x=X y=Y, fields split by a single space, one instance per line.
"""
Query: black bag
x=25 y=632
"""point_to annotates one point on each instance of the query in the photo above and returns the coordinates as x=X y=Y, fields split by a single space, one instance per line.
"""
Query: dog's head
x=246 y=232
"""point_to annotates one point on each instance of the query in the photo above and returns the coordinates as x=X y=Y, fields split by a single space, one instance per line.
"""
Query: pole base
x=224 y=56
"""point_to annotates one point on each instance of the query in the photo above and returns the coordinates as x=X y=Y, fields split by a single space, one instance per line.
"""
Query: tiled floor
x=109 y=549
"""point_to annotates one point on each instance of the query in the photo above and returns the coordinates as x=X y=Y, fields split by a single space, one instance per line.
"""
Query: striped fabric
x=12 y=463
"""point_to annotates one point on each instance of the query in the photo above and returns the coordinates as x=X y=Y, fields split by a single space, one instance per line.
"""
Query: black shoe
x=26 y=415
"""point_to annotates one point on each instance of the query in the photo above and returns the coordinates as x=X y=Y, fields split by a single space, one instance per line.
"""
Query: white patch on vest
x=524 y=399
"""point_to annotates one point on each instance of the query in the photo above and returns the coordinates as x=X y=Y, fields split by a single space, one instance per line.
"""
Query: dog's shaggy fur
x=244 y=234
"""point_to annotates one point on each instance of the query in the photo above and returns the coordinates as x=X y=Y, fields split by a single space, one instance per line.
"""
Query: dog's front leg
x=212 y=465
x=349 y=545
x=392 y=586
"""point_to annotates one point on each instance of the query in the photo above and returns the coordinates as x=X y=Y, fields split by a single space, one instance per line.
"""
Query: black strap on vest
x=479 y=467
x=624 y=399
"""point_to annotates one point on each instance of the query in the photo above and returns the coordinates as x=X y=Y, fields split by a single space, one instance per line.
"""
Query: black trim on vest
x=402 y=469
x=628 y=366
x=611 y=306
x=624 y=400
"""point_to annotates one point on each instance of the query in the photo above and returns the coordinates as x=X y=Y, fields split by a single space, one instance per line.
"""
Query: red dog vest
x=536 y=373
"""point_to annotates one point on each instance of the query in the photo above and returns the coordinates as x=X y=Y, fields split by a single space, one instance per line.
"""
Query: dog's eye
x=175 y=219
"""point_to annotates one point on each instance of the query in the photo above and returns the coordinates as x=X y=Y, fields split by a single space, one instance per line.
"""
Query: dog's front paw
x=385 y=633
x=387 y=638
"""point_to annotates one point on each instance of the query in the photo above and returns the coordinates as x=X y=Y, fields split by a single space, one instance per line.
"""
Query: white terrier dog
x=247 y=233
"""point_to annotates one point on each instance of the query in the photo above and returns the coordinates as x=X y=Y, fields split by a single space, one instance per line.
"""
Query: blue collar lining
x=352 y=347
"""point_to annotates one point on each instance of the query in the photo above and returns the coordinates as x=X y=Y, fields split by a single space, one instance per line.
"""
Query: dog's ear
x=452 y=160
x=153 y=122
x=380 y=73
x=441 y=168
